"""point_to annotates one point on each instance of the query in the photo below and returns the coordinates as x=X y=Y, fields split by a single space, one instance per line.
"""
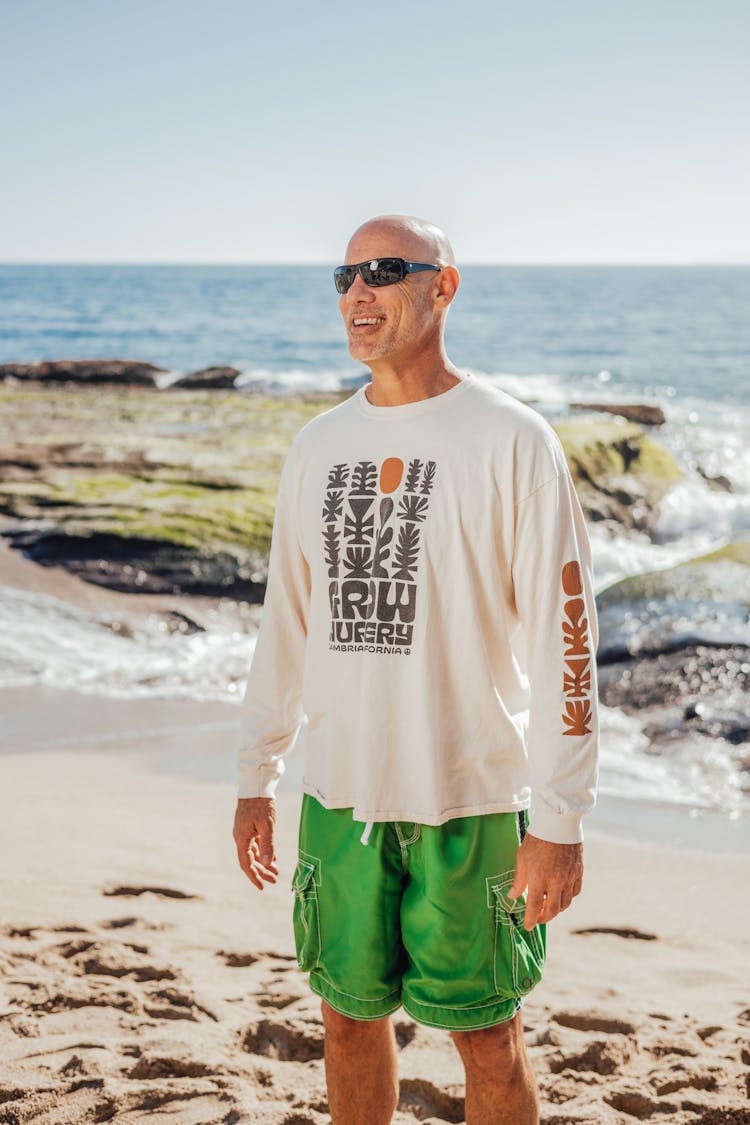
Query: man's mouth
x=364 y=322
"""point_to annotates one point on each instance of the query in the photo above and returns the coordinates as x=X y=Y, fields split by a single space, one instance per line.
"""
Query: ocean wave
x=46 y=641
x=698 y=773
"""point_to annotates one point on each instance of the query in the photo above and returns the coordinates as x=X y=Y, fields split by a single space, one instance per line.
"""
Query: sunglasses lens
x=343 y=277
x=376 y=272
x=383 y=271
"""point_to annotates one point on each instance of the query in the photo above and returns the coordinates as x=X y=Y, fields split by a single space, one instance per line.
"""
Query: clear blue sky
x=232 y=130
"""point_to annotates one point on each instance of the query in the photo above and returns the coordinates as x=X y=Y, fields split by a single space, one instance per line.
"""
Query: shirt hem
x=413 y=816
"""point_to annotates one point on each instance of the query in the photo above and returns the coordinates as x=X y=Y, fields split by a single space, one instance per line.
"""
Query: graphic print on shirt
x=371 y=546
x=577 y=676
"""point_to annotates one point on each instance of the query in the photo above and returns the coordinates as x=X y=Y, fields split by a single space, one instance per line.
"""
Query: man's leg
x=500 y=1084
x=360 y=1059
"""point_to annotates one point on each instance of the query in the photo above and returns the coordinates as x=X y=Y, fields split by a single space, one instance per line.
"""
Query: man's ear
x=448 y=281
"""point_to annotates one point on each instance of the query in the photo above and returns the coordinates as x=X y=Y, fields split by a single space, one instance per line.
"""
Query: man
x=429 y=620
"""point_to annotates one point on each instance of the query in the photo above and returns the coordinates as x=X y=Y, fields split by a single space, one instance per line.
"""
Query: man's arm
x=272 y=710
x=555 y=602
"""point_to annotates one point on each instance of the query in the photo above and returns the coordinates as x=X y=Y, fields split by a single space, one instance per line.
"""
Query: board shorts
x=418 y=917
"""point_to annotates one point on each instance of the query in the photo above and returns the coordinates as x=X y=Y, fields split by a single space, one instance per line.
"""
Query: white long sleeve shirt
x=429 y=623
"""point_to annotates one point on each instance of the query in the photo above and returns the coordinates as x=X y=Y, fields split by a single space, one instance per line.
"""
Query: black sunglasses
x=377 y=272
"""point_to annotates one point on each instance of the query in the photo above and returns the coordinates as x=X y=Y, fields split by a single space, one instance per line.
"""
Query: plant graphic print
x=371 y=546
x=577 y=655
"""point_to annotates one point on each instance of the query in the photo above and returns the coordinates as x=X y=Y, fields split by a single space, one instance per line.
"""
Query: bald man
x=429 y=624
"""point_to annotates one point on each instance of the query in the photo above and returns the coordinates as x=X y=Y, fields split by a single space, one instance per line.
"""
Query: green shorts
x=418 y=917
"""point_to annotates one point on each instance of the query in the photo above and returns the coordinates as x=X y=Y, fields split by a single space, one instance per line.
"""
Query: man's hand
x=553 y=874
x=254 y=823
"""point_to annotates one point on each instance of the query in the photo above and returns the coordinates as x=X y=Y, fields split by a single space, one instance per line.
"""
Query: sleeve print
x=554 y=598
x=577 y=675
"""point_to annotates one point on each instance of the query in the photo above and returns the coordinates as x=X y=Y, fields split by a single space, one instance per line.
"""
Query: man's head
x=394 y=321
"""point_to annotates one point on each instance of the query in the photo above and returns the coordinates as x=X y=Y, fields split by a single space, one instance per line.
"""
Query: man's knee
x=497 y=1049
x=344 y=1028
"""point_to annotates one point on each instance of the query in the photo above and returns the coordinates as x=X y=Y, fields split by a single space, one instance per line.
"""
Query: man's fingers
x=552 y=907
x=247 y=865
x=265 y=844
x=520 y=878
x=534 y=908
x=269 y=870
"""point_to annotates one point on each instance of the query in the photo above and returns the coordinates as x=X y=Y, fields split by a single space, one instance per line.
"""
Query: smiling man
x=429 y=624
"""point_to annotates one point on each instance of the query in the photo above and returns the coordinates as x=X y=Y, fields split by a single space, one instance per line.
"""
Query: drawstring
x=366 y=834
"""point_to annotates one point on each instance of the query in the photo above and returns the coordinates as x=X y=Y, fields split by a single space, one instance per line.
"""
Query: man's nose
x=358 y=291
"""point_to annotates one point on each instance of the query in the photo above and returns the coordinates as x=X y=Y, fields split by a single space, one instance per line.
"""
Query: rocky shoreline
x=173 y=492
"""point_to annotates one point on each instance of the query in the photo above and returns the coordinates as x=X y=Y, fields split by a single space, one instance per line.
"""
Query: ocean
x=675 y=336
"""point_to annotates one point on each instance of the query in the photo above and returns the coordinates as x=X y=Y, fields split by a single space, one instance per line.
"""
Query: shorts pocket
x=305 y=916
x=519 y=954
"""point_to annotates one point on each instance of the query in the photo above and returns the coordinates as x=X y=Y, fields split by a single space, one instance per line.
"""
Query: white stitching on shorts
x=450 y=1027
x=404 y=843
x=317 y=864
x=359 y=999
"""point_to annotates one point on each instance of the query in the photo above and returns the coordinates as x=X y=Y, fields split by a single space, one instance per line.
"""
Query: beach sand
x=144 y=979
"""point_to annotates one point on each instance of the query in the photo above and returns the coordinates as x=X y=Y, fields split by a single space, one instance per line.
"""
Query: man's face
x=381 y=322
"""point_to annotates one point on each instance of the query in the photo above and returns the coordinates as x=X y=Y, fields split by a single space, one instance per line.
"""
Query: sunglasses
x=378 y=272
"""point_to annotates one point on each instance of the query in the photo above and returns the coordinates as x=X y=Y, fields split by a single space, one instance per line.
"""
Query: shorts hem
x=461 y=1019
x=348 y=1005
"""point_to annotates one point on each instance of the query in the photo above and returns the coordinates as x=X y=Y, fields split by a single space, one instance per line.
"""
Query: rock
x=145 y=492
x=124 y=372
x=675 y=653
x=146 y=566
x=688 y=680
x=209 y=379
x=721 y=577
x=620 y=473
x=641 y=413
x=719 y=483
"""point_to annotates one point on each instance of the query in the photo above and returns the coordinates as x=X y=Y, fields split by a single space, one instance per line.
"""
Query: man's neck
x=390 y=387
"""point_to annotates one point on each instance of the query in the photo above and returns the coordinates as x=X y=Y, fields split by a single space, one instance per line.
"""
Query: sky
x=239 y=131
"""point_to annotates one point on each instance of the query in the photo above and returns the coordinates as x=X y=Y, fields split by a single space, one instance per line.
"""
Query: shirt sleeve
x=553 y=587
x=272 y=711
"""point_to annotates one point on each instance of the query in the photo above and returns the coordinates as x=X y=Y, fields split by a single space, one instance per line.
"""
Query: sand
x=143 y=977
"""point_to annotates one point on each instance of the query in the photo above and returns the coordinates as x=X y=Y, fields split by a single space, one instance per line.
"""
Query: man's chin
x=364 y=355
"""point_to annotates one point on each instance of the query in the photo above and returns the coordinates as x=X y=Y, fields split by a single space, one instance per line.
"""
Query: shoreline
x=198 y=740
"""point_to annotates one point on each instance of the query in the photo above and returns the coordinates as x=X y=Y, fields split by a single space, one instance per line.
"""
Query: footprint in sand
x=290 y=1040
x=601 y=1056
x=166 y=1066
x=170 y=1004
x=49 y=999
x=423 y=1099
x=635 y=1103
x=125 y=891
x=594 y=1021
x=112 y=959
x=630 y=934
x=238 y=960
x=405 y=1031
x=682 y=1078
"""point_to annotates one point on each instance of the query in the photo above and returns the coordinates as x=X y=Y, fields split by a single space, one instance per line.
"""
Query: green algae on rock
x=720 y=576
x=620 y=472
x=148 y=491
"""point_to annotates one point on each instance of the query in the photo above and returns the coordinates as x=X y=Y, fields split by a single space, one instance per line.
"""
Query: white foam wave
x=48 y=642
x=693 y=511
x=700 y=773
x=296 y=380
x=622 y=557
x=545 y=390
